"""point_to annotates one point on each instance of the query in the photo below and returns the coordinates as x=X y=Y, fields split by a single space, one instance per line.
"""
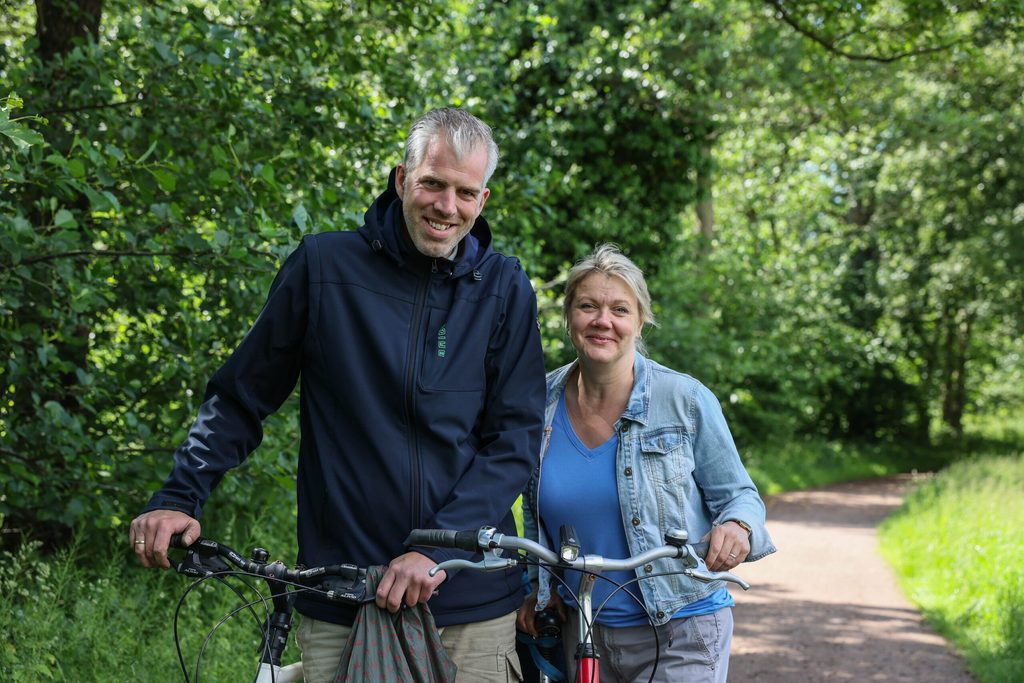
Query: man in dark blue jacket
x=421 y=403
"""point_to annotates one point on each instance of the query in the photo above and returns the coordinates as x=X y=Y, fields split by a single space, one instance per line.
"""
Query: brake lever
x=350 y=590
x=200 y=564
x=709 y=576
x=491 y=562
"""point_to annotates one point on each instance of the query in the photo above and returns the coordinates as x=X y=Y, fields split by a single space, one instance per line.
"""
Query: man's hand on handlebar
x=408 y=581
x=150 y=534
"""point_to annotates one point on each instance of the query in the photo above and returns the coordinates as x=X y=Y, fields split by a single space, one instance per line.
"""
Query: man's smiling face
x=442 y=197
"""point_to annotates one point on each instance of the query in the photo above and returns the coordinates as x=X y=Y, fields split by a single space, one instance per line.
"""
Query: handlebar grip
x=176 y=542
x=444 y=538
x=701 y=548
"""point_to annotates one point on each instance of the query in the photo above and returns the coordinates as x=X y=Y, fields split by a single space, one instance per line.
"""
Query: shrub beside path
x=826 y=606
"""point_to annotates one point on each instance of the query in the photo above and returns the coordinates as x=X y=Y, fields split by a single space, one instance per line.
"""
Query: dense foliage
x=826 y=198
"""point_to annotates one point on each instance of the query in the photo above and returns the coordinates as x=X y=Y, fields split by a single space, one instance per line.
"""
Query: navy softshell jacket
x=422 y=392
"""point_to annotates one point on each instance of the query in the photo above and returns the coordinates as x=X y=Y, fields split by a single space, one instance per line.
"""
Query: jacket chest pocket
x=454 y=354
x=666 y=455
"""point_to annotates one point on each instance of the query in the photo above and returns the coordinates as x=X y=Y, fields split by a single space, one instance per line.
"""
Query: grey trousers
x=691 y=649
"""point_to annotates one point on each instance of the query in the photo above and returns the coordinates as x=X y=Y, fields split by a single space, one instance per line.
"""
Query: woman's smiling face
x=604 y=321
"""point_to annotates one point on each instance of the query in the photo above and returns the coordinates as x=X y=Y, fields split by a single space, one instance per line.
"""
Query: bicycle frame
x=490 y=542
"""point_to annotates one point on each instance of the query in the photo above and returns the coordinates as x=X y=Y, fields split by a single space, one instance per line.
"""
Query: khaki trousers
x=484 y=651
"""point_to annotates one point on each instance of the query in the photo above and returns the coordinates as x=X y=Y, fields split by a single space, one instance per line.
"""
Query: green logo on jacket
x=442 y=342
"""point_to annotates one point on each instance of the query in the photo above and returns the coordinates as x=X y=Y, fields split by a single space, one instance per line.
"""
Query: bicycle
x=207 y=559
x=491 y=542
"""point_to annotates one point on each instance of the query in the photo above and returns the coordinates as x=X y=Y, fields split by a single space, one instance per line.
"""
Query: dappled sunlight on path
x=826 y=606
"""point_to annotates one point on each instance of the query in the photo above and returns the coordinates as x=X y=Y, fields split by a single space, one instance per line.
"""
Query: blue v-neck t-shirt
x=578 y=487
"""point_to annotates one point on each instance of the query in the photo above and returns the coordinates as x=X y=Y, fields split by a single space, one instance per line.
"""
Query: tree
x=184 y=149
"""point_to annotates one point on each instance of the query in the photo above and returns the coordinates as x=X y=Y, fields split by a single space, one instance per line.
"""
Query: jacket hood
x=384 y=229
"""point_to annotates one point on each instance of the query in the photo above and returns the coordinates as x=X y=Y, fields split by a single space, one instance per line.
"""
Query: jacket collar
x=639 y=398
x=384 y=230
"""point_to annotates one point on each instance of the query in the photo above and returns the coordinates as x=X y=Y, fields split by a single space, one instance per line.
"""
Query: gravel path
x=826 y=606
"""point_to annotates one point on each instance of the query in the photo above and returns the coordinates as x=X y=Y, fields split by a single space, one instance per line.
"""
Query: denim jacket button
x=636 y=521
x=628 y=471
x=648 y=568
x=660 y=615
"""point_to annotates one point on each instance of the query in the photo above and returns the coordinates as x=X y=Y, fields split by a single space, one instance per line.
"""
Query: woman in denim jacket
x=630 y=449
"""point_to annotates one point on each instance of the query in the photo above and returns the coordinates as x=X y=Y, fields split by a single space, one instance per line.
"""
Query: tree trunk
x=61 y=24
x=954 y=395
x=705 y=200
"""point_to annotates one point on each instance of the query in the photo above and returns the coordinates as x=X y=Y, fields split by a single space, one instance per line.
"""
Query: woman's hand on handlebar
x=526 y=616
x=150 y=534
x=728 y=546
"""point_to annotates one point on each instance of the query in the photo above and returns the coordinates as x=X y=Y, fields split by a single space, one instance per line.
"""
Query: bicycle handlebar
x=491 y=542
x=337 y=582
x=445 y=538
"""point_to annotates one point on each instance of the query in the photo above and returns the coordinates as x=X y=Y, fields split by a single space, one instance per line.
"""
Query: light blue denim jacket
x=677 y=467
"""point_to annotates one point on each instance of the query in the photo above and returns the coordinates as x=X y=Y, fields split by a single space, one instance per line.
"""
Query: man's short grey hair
x=463 y=131
x=607 y=259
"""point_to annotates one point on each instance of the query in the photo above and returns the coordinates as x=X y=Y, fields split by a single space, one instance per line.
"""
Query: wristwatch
x=743 y=525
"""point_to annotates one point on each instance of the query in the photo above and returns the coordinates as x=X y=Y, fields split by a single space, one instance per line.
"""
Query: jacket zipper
x=417 y=330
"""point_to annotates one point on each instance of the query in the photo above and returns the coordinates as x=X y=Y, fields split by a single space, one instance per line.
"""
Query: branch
x=164 y=449
x=107 y=254
x=140 y=96
x=551 y=284
x=14 y=454
x=831 y=46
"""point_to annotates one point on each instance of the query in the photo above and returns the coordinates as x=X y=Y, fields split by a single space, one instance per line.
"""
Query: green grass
x=957 y=545
x=87 y=616
x=806 y=463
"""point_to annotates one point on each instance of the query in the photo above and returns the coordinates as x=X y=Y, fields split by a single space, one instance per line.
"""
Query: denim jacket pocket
x=666 y=454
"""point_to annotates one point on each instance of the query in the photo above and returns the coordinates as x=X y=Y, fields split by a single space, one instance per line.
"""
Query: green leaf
x=300 y=216
x=167 y=180
x=219 y=177
x=221 y=238
x=65 y=219
x=22 y=137
x=116 y=205
x=114 y=151
x=97 y=202
x=146 y=154
x=165 y=52
x=12 y=101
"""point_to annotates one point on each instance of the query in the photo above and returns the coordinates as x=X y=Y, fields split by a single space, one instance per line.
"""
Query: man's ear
x=400 y=179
